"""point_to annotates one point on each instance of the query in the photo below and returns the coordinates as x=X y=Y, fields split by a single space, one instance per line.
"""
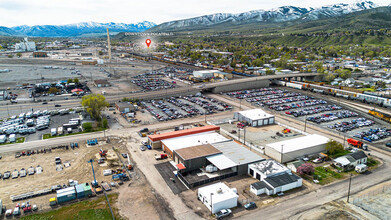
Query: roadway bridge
x=254 y=82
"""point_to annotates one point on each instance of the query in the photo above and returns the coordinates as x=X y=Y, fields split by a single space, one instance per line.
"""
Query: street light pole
x=350 y=183
x=244 y=136
x=211 y=204
x=305 y=123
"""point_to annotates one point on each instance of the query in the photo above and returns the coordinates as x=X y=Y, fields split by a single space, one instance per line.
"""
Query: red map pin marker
x=148 y=42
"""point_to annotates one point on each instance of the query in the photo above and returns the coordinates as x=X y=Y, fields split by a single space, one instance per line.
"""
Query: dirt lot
x=79 y=170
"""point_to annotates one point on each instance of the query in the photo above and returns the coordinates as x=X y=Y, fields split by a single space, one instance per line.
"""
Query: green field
x=96 y=208
x=18 y=140
x=326 y=175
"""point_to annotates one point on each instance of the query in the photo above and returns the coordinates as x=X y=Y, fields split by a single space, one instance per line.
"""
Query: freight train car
x=335 y=91
x=381 y=115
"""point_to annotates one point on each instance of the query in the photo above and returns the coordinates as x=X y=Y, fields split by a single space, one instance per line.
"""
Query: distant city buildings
x=25 y=45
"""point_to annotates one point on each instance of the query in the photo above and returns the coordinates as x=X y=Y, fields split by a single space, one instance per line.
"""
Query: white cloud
x=38 y=12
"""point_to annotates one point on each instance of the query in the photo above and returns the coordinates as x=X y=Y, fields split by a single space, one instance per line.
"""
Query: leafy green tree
x=87 y=126
x=105 y=123
x=100 y=53
x=334 y=147
x=19 y=54
x=10 y=56
x=94 y=104
x=76 y=80
x=53 y=90
x=69 y=81
x=344 y=73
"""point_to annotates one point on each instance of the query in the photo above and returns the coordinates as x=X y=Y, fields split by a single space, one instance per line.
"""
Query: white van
x=361 y=168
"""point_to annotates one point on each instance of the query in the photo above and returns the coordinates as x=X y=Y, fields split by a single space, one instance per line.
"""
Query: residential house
x=350 y=161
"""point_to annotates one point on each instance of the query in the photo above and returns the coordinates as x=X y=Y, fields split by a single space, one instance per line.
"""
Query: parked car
x=124 y=155
x=223 y=213
x=250 y=205
x=142 y=148
x=57 y=105
x=318 y=160
x=388 y=144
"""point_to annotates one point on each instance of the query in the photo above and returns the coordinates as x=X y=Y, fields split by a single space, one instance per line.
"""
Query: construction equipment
x=130 y=165
x=102 y=153
x=121 y=176
x=53 y=201
x=95 y=183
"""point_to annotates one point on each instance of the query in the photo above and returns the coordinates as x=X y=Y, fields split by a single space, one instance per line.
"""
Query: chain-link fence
x=376 y=202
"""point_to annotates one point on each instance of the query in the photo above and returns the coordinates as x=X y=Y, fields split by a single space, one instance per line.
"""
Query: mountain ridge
x=73 y=30
x=276 y=15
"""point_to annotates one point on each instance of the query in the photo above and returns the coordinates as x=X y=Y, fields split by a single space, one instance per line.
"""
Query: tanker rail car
x=338 y=91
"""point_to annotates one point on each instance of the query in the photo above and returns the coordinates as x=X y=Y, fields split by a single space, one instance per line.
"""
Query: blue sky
x=39 y=12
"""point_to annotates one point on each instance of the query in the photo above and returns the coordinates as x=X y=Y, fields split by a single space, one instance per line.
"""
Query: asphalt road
x=298 y=204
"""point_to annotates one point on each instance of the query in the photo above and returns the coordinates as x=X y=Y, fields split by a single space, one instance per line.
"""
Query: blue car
x=149 y=147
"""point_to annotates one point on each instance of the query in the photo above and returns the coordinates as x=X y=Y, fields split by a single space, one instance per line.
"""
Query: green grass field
x=95 y=208
x=326 y=175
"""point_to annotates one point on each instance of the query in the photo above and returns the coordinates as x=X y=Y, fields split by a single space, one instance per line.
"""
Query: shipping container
x=66 y=195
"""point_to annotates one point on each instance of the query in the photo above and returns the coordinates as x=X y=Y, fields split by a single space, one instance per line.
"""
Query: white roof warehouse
x=289 y=150
x=255 y=117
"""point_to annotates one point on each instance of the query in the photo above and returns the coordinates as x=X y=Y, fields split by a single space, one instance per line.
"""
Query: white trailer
x=53 y=131
x=12 y=138
x=3 y=139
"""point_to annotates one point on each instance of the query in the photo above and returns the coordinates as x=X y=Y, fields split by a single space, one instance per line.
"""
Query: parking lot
x=314 y=110
x=166 y=171
x=183 y=107
x=34 y=124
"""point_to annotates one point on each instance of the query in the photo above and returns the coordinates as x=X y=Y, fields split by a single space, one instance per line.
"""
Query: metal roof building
x=293 y=149
x=155 y=139
x=255 y=117
x=238 y=154
x=176 y=143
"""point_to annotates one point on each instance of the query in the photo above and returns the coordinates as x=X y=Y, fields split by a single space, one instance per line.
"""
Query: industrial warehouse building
x=218 y=196
x=274 y=178
x=238 y=154
x=194 y=157
x=156 y=140
x=173 y=144
x=293 y=149
x=255 y=117
x=223 y=155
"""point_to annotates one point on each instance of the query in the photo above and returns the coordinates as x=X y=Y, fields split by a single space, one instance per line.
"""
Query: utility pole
x=350 y=183
x=244 y=136
x=211 y=204
x=108 y=44
x=305 y=123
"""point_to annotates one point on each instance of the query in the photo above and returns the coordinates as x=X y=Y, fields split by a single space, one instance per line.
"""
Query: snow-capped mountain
x=79 y=29
x=281 y=14
x=338 y=9
x=4 y=31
